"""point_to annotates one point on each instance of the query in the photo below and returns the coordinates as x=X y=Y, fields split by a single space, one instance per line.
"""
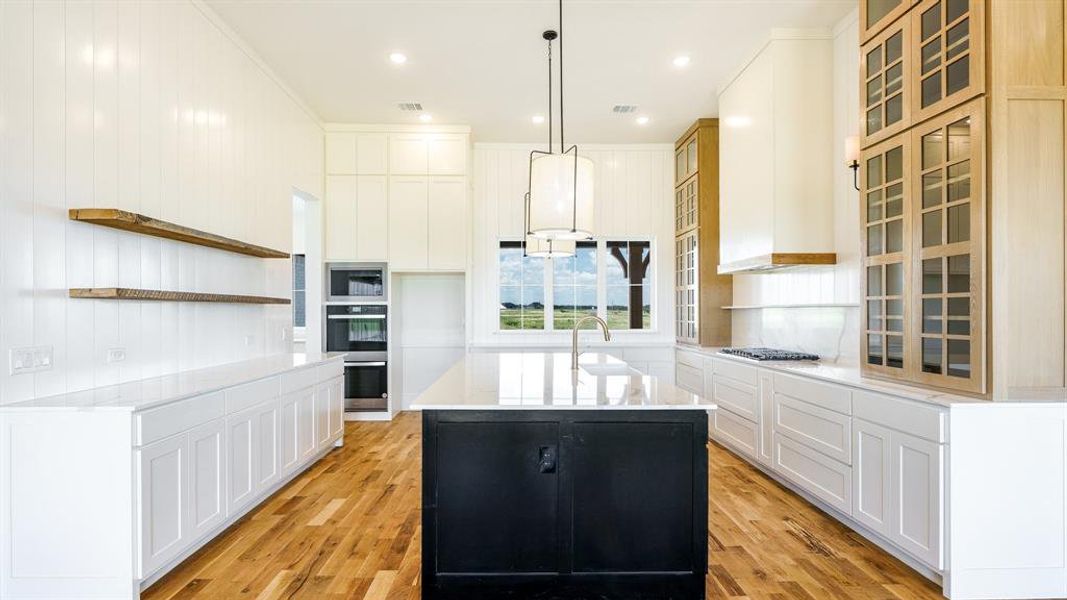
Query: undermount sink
x=602 y=369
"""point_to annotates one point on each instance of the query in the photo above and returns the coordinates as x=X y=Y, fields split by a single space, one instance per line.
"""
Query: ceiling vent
x=624 y=109
x=410 y=106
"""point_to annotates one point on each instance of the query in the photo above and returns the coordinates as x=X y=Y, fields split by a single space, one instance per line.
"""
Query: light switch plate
x=30 y=359
x=115 y=355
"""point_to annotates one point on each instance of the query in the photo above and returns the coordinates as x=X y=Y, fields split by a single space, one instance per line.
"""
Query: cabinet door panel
x=371 y=219
x=820 y=429
x=341 y=153
x=408 y=155
x=447 y=155
x=408 y=223
x=604 y=520
x=305 y=426
x=163 y=473
x=207 y=478
x=917 y=483
x=886 y=83
x=341 y=218
x=322 y=416
x=337 y=408
x=824 y=477
x=766 y=417
x=948 y=54
x=288 y=436
x=871 y=476
x=875 y=15
x=268 y=449
x=372 y=154
x=241 y=466
x=737 y=432
x=474 y=532
x=448 y=223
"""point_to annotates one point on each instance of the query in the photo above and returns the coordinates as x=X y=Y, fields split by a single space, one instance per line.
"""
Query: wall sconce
x=852 y=159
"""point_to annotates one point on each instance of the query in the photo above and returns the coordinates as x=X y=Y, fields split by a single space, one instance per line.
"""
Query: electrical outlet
x=30 y=359
x=115 y=355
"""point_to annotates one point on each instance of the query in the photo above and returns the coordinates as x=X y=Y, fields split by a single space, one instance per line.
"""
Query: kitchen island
x=540 y=481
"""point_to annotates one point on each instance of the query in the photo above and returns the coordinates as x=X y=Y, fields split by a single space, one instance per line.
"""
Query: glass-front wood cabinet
x=947 y=46
x=686 y=198
x=876 y=14
x=686 y=287
x=886 y=86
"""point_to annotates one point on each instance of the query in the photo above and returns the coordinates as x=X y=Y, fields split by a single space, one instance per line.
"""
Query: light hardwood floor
x=349 y=528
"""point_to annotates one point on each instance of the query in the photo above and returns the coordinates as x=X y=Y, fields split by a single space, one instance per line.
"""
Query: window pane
x=959 y=358
x=628 y=285
x=874 y=206
x=959 y=139
x=522 y=294
x=931 y=21
x=874 y=240
x=299 y=309
x=932 y=228
x=874 y=281
x=895 y=351
x=894 y=236
x=932 y=189
x=874 y=91
x=954 y=9
x=894 y=279
x=618 y=309
x=894 y=164
x=510 y=266
x=874 y=315
x=874 y=349
x=959 y=273
x=874 y=171
x=959 y=181
x=931 y=89
x=510 y=307
x=894 y=109
x=958 y=75
x=931 y=315
x=876 y=9
x=931 y=358
x=893 y=47
x=894 y=200
x=932 y=283
x=874 y=61
x=533 y=307
x=931 y=56
x=959 y=223
x=874 y=119
x=894 y=308
x=933 y=149
x=957 y=39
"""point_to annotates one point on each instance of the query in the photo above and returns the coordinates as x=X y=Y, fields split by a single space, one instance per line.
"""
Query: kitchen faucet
x=574 y=337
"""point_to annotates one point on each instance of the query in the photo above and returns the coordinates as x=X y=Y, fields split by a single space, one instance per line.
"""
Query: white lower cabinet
x=734 y=431
x=917 y=476
x=241 y=464
x=337 y=408
x=268 y=448
x=305 y=425
x=765 y=418
x=322 y=417
x=816 y=473
x=207 y=477
x=288 y=431
x=163 y=469
x=872 y=476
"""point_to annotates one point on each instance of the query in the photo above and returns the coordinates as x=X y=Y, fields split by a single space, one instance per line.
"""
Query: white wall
x=151 y=107
x=634 y=199
x=831 y=332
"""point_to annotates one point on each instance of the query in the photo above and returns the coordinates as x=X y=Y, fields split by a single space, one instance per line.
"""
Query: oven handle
x=365 y=364
x=348 y=317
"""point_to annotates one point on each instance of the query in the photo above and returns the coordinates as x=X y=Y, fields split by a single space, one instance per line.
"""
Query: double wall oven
x=357 y=325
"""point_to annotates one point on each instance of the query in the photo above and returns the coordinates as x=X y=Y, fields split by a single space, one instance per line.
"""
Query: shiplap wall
x=634 y=190
x=154 y=107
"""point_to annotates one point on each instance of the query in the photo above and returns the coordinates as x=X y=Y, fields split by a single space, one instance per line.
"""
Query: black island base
x=599 y=504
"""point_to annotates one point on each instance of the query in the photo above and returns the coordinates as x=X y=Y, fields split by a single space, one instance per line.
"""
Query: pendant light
x=542 y=248
x=559 y=201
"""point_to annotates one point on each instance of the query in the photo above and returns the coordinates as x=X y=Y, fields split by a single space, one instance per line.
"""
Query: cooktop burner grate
x=769 y=354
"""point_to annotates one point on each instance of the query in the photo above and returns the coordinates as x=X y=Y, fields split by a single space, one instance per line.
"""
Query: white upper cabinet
x=341 y=217
x=372 y=154
x=341 y=153
x=447 y=213
x=776 y=158
x=372 y=218
x=408 y=154
x=447 y=154
x=408 y=223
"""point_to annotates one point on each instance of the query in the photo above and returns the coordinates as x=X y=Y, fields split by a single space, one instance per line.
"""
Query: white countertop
x=154 y=391
x=844 y=374
x=534 y=380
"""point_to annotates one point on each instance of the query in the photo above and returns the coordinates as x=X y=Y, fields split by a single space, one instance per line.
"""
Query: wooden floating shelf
x=762 y=306
x=165 y=296
x=128 y=221
x=779 y=261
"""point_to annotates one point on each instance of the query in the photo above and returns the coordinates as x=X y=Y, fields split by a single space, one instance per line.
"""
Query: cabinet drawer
x=299 y=379
x=734 y=431
x=826 y=395
x=735 y=371
x=815 y=427
x=920 y=420
x=183 y=415
x=251 y=394
x=737 y=398
x=689 y=379
x=815 y=473
x=691 y=359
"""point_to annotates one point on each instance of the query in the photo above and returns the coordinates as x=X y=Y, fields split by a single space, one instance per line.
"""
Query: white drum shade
x=558 y=209
x=540 y=248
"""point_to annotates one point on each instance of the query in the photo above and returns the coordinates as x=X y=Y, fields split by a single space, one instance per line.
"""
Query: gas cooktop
x=769 y=354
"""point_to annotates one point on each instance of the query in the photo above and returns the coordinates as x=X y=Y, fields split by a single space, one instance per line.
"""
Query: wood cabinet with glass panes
x=875 y=15
x=700 y=292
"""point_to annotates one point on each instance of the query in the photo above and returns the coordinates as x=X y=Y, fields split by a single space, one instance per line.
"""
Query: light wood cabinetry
x=886 y=83
x=700 y=292
x=948 y=54
x=876 y=14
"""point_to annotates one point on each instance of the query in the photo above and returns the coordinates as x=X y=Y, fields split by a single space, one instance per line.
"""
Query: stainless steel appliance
x=769 y=354
x=361 y=333
x=356 y=282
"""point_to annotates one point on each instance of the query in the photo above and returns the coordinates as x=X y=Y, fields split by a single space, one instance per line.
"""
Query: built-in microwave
x=356 y=282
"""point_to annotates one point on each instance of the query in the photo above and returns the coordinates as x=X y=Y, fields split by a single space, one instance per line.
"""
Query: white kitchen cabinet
x=343 y=219
x=447 y=154
x=372 y=154
x=765 y=420
x=814 y=472
x=322 y=417
x=872 y=481
x=305 y=425
x=408 y=154
x=372 y=219
x=447 y=223
x=268 y=448
x=163 y=472
x=242 y=450
x=207 y=477
x=337 y=408
x=408 y=223
x=776 y=154
x=818 y=428
x=917 y=484
x=288 y=432
x=737 y=432
x=341 y=153
x=738 y=398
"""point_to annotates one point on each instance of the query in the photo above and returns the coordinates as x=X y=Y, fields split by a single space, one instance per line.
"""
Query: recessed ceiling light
x=426 y=117
x=681 y=60
x=642 y=120
x=538 y=119
x=398 y=58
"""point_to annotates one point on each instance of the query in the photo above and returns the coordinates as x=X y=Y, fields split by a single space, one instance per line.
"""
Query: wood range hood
x=779 y=261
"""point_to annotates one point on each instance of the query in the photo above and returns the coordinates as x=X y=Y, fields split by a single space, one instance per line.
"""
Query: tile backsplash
x=830 y=332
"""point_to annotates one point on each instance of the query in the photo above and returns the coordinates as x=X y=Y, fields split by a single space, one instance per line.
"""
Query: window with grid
x=574 y=287
x=629 y=290
x=522 y=289
x=299 y=291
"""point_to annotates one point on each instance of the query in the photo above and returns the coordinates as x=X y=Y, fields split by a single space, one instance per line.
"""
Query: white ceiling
x=483 y=63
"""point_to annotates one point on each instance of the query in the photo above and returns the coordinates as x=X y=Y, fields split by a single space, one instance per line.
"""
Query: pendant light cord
x=550 y=95
x=561 y=76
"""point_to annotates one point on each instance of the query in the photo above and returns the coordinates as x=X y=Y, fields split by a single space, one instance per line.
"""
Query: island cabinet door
x=497 y=497
x=632 y=502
